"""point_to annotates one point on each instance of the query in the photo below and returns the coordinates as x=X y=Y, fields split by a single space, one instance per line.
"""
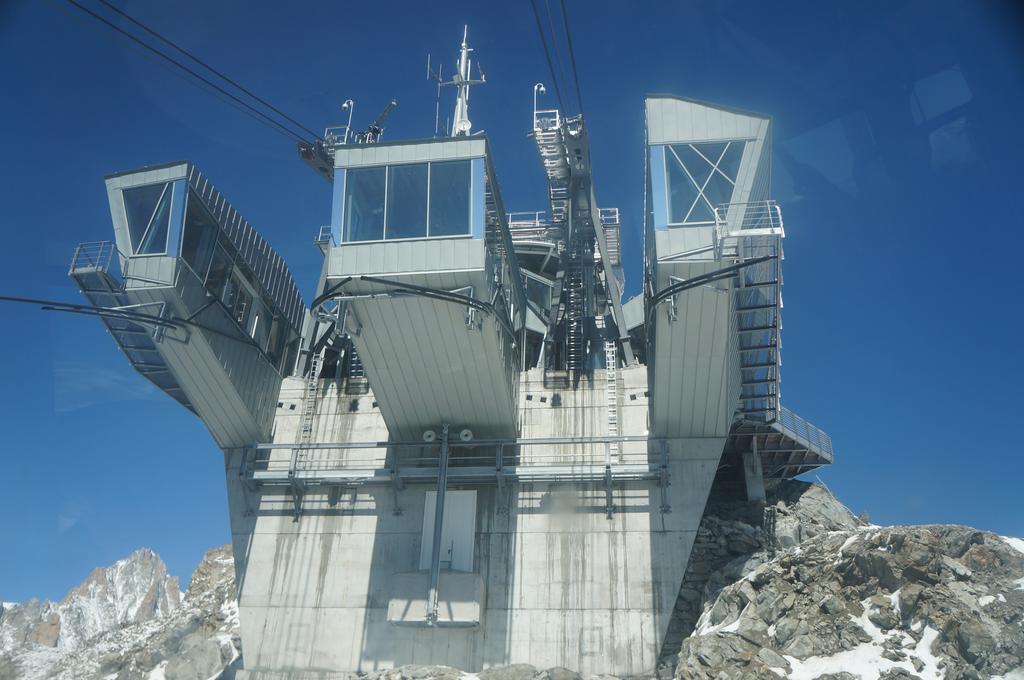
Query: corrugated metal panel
x=692 y=364
x=254 y=251
x=427 y=368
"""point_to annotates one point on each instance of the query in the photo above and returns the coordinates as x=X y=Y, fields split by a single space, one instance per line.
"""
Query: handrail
x=803 y=431
x=93 y=255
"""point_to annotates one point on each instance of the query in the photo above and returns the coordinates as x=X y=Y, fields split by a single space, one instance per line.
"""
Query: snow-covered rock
x=874 y=603
x=128 y=621
x=132 y=590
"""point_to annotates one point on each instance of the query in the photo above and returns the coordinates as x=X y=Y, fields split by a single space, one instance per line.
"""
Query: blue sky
x=896 y=137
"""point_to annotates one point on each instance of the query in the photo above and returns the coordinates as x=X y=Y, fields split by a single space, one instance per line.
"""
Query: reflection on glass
x=140 y=203
x=449 y=198
x=220 y=269
x=198 y=236
x=538 y=292
x=407 y=201
x=364 y=204
x=155 y=240
x=682 y=192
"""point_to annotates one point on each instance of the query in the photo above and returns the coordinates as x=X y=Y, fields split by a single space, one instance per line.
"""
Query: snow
x=986 y=600
x=1015 y=674
x=894 y=598
x=158 y=672
x=848 y=542
x=1015 y=543
x=706 y=628
x=866 y=660
x=229 y=611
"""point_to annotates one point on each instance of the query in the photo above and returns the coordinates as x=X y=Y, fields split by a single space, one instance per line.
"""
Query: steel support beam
x=435 y=555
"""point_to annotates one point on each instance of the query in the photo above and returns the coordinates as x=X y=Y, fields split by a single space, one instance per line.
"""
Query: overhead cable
x=263 y=117
x=209 y=68
x=547 y=54
x=572 y=55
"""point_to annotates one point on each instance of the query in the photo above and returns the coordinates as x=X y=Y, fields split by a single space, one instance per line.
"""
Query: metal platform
x=789 y=446
x=605 y=461
x=90 y=269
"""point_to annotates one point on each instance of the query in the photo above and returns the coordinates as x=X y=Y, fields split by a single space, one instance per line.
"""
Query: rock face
x=127 y=621
x=731 y=542
x=898 y=602
x=133 y=590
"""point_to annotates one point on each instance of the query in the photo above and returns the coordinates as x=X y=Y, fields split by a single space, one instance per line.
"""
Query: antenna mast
x=461 y=125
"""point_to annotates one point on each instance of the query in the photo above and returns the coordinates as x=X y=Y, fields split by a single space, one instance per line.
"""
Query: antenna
x=431 y=75
x=461 y=125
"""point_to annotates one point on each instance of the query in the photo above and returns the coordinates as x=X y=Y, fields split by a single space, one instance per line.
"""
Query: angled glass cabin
x=423 y=261
x=215 y=316
x=713 y=265
x=706 y=167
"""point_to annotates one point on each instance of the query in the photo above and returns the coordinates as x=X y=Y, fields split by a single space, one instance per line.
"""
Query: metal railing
x=546 y=120
x=528 y=218
x=804 y=432
x=337 y=134
x=95 y=255
x=325 y=235
x=762 y=216
x=565 y=455
x=609 y=216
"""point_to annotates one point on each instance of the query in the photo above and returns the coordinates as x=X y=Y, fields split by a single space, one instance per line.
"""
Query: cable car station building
x=467 y=449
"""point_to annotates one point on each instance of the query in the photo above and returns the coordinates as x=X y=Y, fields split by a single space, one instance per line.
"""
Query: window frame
x=168 y=186
x=387 y=195
x=666 y=190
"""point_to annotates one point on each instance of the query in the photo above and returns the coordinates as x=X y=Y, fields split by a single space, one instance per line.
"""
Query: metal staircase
x=90 y=269
x=748 y=231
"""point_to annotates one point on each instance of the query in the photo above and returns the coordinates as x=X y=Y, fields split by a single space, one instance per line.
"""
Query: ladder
x=574 y=340
x=355 y=364
x=611 y=395
x=308 y=408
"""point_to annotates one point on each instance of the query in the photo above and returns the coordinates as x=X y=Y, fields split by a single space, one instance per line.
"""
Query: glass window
x=275 y=345
x=682 y=192
x=198 y=236
x=407 y=201
x=237 y=300
x=700 y=178
x=364 y=204
x=155 y=240
x=538 y=292
x=260 y=328
x=220 y=269
x=148 y=210
x=449 y=198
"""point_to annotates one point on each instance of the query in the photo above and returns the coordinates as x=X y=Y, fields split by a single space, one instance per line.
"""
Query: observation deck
x=204 y=308
x=422 y=261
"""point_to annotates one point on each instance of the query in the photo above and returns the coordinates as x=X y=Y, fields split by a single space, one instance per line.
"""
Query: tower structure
x=467 y=450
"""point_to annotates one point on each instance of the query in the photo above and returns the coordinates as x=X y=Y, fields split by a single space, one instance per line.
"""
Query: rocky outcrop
x=133 y=590
x=897 y=602
x=731 y=541
x=190 y=637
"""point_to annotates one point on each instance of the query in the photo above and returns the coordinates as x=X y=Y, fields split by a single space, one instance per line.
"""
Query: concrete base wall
x=563 y=585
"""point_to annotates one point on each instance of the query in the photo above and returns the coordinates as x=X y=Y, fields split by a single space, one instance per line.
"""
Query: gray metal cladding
x=270 y=270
